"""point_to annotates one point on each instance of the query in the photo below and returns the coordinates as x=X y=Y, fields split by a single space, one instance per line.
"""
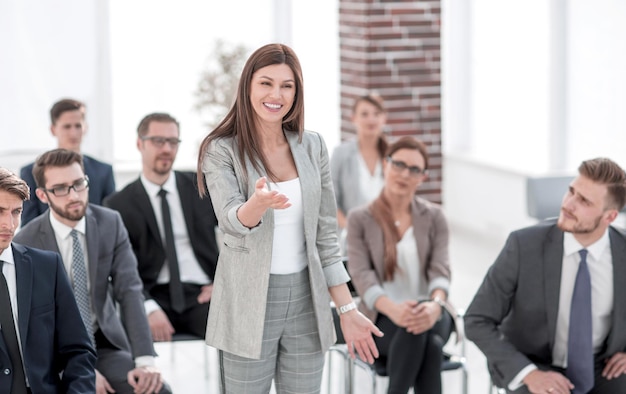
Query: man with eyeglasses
x=68 y=126
x=98 y=257
x=172 y=231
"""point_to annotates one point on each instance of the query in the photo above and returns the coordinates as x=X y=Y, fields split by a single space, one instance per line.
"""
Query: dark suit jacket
x=135 y=207
x=52 y=334
x=512 y=318
x=101 y=184
x=112 y=274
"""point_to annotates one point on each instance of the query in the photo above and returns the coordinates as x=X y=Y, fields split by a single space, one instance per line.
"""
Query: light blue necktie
x=79 y=283
x=579 y=345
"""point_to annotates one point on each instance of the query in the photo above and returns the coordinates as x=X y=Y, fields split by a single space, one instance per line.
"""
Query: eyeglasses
x=159 y=142
x=400 y=166
x=78 y=186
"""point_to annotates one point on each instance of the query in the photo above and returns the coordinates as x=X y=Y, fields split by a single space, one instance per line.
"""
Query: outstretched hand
x=357 y=330
x=269 y=198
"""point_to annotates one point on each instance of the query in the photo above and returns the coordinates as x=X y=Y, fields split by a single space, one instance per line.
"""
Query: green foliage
x=218 y=82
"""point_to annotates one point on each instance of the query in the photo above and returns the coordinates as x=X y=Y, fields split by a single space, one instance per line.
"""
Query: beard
x=66 y=213
x=578 y=227
x=161 y=167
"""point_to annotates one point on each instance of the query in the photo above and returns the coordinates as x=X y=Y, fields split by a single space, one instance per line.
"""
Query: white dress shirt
x=188 y=266
x=600 y=263
x=62 y=233
x=8 y=270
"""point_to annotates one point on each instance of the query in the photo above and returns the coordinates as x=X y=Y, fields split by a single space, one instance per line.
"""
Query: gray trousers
x=291 y=353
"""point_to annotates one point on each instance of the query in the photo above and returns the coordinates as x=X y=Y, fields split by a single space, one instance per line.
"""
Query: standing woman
x=398 y=259
x=279 y=265
x=357 y=166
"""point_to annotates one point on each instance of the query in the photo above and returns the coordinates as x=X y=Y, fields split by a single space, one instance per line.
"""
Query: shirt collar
x=153 y=189
x=571 y=245
x=7 y=255
x=63 y=230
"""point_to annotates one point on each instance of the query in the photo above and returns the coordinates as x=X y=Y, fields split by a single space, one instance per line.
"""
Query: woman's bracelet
x=346 y=308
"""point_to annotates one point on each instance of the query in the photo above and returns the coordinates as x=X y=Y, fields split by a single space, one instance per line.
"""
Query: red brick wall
x=393 y=48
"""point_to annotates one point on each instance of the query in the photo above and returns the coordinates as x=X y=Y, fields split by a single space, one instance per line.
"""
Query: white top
x=600 y=263
x=371 y=185
x=406 y=283
x=288 y=247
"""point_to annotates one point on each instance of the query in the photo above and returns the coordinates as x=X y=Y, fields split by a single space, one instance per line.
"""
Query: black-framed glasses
x=62 y=190
x=400 y=166
x=160 y=142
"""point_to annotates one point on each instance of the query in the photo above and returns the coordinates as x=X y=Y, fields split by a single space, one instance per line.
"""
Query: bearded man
x=172 y=231
x=550 y=314
x=98 y=258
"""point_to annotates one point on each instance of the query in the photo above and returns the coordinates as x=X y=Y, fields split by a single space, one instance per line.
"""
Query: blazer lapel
x=24 y=281
x=618 y=325
x=552 y=265
x=143 y=203
x=306 y=174
x=186 y=200
x=92 y=235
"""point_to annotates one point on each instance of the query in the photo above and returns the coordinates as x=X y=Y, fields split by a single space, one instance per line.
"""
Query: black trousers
x=193 y=319
x=413 y=360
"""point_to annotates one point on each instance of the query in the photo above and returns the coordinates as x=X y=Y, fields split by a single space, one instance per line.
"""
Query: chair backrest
x=544 y=195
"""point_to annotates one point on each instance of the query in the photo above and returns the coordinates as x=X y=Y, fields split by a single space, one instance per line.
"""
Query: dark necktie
x=579 y=344
x=18 y=383
x=177 y=296
x=79 y=283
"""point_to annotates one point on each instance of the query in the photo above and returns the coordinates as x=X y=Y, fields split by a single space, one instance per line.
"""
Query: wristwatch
x=346 y=308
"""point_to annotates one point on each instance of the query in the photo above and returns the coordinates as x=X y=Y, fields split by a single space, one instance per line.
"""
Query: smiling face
x=272 y=93
x=584 y=210
x=70 y=208
x=401 y=182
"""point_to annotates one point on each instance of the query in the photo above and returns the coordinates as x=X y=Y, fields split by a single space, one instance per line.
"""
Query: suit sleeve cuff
x=371 y=295
x=518 y=380
x=336 y=274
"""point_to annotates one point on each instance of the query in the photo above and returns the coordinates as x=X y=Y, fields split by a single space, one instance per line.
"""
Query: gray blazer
x=344 y=169
x=112 y=275
x=366 y=251
x=237 y=313
x=512 y=318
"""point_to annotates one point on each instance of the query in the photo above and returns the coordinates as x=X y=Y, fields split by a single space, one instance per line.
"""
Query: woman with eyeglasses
x=356 y=166
x=398 y=260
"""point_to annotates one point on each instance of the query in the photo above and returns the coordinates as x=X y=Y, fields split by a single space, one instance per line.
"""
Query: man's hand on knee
x=145 y=380
x=160 y=326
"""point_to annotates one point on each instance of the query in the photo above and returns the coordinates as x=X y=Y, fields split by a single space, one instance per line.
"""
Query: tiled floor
x=183 y=363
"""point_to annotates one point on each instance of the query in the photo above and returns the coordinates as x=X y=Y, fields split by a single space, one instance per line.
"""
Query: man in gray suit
x=98 y=257
x=550 y=315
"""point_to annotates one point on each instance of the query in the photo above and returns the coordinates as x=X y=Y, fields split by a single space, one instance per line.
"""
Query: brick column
x=393 y=48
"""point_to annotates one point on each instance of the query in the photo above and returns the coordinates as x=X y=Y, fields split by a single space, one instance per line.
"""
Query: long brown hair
x=380 y=208
x=240 y=124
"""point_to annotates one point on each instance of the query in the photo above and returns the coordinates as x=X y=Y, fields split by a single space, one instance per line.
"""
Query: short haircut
x=162 y=117
x=54 y=158
x=65 y=105
x=607 y=172
x=11 y=183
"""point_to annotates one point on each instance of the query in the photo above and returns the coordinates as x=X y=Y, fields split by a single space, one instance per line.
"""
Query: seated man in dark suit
x=172 y=231
x=550 y=315
x=97 y=255
x=49 y=351
x=68 y=125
